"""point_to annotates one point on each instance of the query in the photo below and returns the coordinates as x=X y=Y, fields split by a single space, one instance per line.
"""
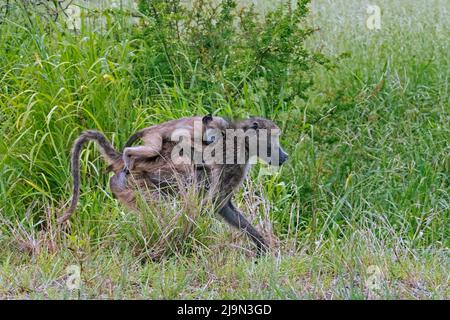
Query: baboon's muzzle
x=283 y=156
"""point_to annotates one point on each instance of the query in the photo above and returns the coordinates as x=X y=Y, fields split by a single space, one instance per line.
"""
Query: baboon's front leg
x=237 y=220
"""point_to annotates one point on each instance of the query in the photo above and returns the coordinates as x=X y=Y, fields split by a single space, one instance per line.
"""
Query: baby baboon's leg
x=237 y=220
x=152 y=148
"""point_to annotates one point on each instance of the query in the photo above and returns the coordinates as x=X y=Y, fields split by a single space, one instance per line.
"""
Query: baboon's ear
x=251 y=126
x=254 y=126
x=207 y=119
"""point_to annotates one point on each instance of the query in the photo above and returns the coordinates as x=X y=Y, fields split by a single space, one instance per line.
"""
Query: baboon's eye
x=211 y=135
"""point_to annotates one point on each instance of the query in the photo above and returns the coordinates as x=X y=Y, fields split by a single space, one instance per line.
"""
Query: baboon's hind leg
x=237 y=220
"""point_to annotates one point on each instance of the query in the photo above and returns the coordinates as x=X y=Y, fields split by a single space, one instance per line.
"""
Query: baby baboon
x=154 y=136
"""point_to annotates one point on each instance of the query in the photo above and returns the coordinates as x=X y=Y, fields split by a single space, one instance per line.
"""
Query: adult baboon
x=221 y=178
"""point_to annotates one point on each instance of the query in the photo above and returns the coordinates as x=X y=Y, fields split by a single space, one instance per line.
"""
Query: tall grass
x=367 y=182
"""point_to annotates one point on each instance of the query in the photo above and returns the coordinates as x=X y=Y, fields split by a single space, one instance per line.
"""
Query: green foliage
x=222 y=54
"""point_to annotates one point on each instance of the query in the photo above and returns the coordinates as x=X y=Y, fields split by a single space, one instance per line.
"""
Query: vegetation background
x=360 y=211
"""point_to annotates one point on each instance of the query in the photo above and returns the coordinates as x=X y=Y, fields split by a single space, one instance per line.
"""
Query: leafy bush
x=222 y=52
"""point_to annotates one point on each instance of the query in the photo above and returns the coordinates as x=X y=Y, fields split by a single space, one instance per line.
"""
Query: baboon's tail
x=109 y=154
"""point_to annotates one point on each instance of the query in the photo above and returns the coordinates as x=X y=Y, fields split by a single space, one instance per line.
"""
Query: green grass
x=367 y=182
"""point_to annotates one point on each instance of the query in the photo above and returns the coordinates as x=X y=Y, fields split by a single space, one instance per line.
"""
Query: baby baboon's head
x=267 y=133
x=213 y=128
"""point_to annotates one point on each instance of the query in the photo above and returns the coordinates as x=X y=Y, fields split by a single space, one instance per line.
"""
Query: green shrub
x=227 y=55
